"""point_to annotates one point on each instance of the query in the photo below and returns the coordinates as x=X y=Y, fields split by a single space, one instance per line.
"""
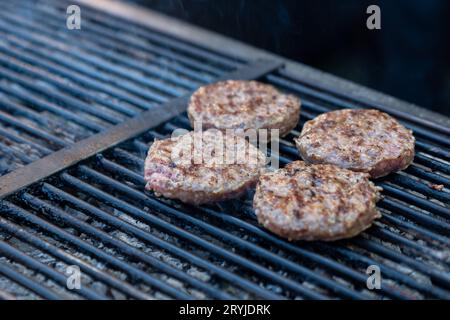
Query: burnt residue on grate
x=130 y=244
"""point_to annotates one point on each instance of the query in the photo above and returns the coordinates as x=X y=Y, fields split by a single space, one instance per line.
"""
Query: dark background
x=408 y=58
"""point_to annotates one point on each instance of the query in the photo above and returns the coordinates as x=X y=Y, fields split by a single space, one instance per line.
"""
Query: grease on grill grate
x=130 y=244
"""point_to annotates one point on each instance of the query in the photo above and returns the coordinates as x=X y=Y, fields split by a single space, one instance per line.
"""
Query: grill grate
x=130 y=244
x=103 y=76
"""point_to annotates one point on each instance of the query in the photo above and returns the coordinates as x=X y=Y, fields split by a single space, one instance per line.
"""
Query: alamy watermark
x=217 y=147
x=374 y=279
x=73 y=281
x=73 y=20
x=374 y=20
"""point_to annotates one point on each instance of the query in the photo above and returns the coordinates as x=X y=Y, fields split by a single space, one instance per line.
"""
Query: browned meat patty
x=361 y=140
x=193 y=168
x=315 y=202
x=236 y=104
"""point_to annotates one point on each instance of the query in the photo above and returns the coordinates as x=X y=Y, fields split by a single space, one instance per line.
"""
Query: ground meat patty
x=361 y=140
x=315 y=202
x=203 y=167
x=236 y=104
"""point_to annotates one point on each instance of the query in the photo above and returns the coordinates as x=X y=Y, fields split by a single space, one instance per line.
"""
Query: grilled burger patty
x=193 y=178
x=361 y=140
x=315 y=202
x=236 y=104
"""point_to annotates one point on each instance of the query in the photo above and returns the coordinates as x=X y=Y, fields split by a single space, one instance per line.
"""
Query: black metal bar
x=56 y=213
x=427 y=175
x=303 y=252
x=411 y=228
x=433 y=150
x=418 y=186
x=388 y=271
x=419 y=249
x=70 y=101
x=388 y=290
x=96 y=69
x=319 y=247
x=188 y=49
x=43 y=104
x=436 y=275
x=120 y=225
x=16 y=109
x=176 y=47
x=25 y=70
x=93 y=79
x=106 y=50
x=149 y=238
x=86 y=148
x=99 y=275
x=133 y=43
x=432 y=163
x=136 y=274
x=22 y=156
x=21 y=140
x=52 y=140
x=410 y=198
x=35 y=265
x=415 y=215
x=28 y=283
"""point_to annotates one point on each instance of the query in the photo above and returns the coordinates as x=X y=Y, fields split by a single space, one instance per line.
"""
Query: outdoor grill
x=78 y=112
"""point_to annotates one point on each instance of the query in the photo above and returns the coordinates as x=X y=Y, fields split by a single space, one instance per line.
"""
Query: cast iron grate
x=130 y=244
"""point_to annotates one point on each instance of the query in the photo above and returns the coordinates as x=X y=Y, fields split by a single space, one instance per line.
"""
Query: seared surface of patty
x=315 y=202
x=237 y=104
x=358 y=139
x=193 y=168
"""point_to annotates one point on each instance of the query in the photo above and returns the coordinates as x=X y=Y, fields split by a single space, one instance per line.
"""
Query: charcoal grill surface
x=59 y=87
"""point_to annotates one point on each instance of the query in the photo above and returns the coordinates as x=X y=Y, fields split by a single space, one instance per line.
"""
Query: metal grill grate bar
x=102 y=59
x=17 y=255
x=142 y=235
x=20 y=233
x=187 y=49
x=133 y=41
x=28 y=283
x=64 y=236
